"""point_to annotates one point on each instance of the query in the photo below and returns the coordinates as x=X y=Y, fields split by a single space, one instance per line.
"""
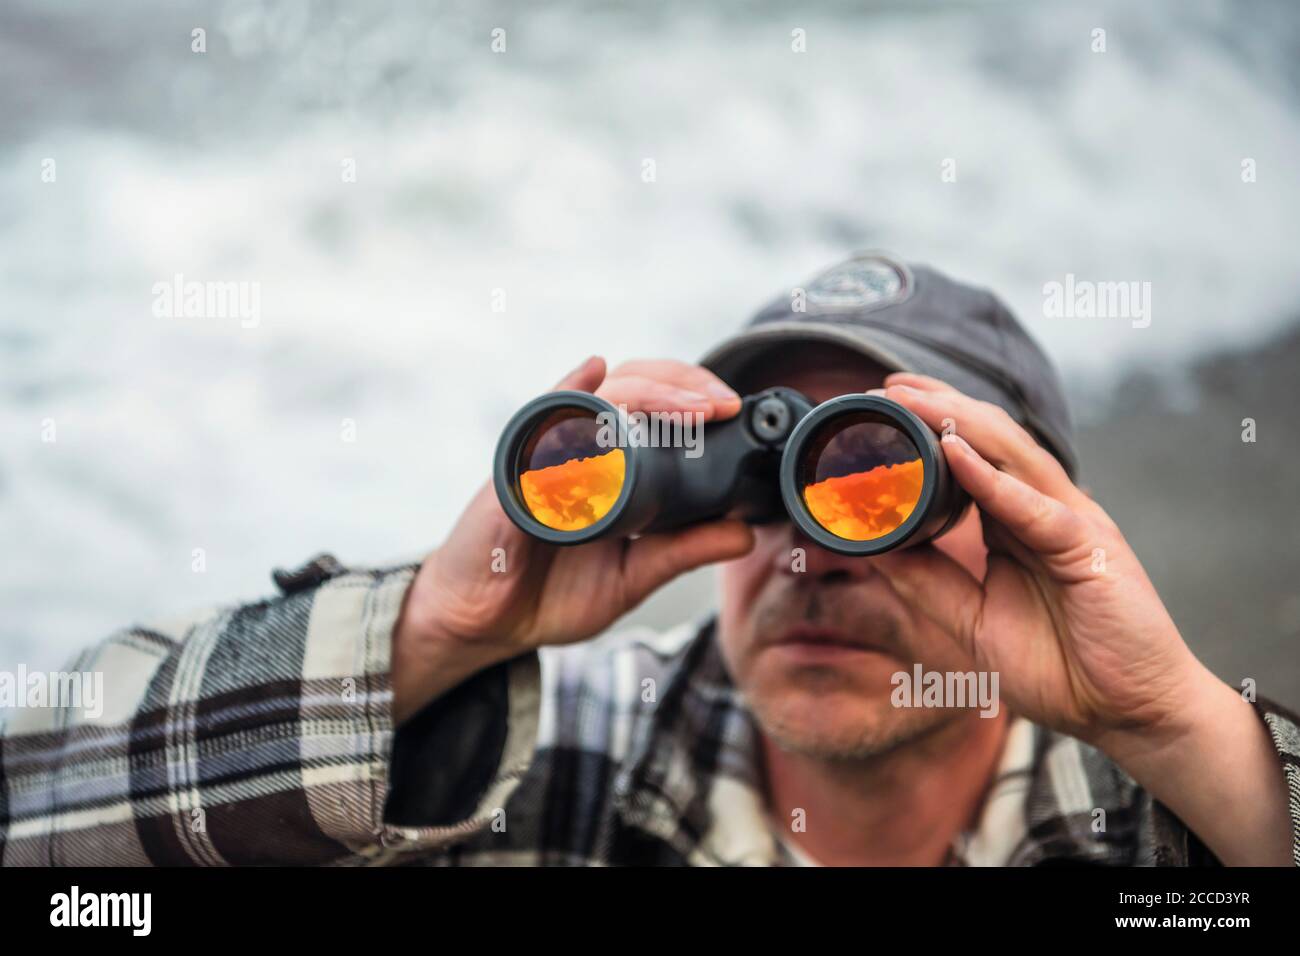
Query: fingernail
x=691 y=396
x=953 y=438
x=876 y=391
x=905 y=389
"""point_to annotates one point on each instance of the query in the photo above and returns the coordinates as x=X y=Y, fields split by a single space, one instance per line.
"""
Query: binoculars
x=858 y=474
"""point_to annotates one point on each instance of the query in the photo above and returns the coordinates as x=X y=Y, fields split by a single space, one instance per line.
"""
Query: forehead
x=819 y=370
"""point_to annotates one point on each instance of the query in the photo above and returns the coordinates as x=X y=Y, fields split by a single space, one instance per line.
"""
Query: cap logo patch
x=867 y=283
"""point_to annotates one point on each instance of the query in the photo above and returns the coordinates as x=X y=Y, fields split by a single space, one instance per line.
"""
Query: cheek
x=743 y=579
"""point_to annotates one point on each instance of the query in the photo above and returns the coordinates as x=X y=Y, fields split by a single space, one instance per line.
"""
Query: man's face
x=813 y=650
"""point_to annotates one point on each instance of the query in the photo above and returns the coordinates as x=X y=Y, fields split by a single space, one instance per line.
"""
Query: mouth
x=813 y=644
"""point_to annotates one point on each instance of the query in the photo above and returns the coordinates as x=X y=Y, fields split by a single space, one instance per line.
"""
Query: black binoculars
x=858 y=474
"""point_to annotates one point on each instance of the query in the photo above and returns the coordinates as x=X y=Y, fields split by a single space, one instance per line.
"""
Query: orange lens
x=861 y=477
x=568 y=481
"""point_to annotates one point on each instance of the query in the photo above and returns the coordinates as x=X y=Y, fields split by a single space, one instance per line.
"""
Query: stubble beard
x=782 y=713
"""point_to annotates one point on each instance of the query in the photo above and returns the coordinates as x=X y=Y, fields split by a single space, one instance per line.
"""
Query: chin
x=823 y=718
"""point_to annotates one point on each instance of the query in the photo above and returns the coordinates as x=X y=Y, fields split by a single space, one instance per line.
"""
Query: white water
x=522 y=172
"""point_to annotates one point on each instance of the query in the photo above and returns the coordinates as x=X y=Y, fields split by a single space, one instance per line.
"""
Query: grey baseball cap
x=914 y=319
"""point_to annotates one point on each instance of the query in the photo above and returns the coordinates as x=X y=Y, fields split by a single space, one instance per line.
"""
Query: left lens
x=571 y=468
x=567 y=480
x=561 y=475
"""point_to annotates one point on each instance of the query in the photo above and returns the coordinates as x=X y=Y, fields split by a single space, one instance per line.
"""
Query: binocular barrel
x=570 y=467
x=858 y=474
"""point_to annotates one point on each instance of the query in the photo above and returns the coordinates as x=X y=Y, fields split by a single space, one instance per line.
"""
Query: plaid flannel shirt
x=263 y=734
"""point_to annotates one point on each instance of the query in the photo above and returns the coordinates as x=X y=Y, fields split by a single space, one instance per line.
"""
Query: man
x=406 y=716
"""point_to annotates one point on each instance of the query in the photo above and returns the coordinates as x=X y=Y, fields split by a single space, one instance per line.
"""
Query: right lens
x=860 y=476
x=567 y=480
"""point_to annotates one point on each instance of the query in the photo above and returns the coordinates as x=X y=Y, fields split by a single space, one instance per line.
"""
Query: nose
x=801 y=557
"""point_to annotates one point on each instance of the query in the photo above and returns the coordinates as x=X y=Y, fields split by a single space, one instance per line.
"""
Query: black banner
x=236 y=907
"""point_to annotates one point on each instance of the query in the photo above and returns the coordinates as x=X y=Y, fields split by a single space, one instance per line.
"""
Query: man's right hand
x=461 y=616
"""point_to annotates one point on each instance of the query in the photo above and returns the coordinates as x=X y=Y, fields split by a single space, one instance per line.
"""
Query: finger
x=999 y=540
x=641 y=394
x=694 y=378
x=992 y=432
x=1040 y=522
x=925 y=383
x=651 y=562
x=943 y=590
x=585 y=378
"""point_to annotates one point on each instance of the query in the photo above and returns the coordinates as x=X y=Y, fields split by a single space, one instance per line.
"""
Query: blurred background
x=515 y=178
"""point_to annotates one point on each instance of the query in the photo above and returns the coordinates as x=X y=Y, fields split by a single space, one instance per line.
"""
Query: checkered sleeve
x=1284 y=727
x=260 y=734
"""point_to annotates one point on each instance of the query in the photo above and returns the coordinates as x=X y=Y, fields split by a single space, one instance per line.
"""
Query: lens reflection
x=861 y=476
x=567 y=480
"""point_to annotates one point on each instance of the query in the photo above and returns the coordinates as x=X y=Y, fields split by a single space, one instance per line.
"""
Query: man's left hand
x=1079 y=637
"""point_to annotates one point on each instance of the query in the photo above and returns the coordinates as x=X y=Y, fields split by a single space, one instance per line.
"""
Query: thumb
x=653 y=561
x=585 y=378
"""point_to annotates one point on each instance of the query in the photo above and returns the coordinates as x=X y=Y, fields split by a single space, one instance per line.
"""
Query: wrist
x=428 y=656
x=1190 y=709
x=1217 y=771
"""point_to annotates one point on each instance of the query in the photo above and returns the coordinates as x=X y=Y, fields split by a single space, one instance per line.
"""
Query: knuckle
x=1043 y=461
x=1000 y=495
x=1042 y=512
x=630 y=367
x=1001 y=417
x=1001 y=486
x=1004 y=421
